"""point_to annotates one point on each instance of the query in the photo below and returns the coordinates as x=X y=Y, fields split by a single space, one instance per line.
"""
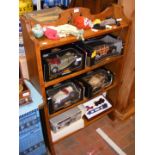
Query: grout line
x=112 y=144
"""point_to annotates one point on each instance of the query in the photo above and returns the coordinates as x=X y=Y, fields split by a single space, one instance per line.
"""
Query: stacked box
x=31 y=141
x=30 y=134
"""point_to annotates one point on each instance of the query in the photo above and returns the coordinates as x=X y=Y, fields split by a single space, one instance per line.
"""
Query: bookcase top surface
x=45 y=43
x=115 y=11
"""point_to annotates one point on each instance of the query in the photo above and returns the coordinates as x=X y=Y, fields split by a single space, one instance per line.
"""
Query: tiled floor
x=88 y=142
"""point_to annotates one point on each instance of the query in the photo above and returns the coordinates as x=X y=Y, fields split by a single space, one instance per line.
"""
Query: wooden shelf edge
x=88 y=122
x=67 y=108
x=67 y=136
x=46 y=43
x=87 y=69
x=83 y=101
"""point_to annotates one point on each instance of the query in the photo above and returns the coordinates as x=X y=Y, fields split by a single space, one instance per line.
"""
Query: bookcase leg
x=46 y=130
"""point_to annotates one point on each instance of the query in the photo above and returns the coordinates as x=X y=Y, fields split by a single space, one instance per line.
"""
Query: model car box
x=62 y=61
x=96 y=80
x=65 y=119
x=98 y=48
x=30 y=134
x=96 y=106
x=64 y=95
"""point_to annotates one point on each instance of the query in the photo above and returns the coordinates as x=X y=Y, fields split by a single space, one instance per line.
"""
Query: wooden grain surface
x=128 y=76
x=45 y=43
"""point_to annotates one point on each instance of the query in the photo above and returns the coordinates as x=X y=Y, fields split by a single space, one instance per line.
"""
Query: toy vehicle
x=58 y=63
x=96 y=106
x=102 y=50
x=100 y=101
x=68 y=117
x=96 y=81
x=101 y=47
x=97 y=109
x=63 y=95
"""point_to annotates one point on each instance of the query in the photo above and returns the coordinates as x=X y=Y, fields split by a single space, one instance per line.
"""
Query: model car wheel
x=113 y=49
x=72 y=94
x=54 y=70
x=68 y=123
x=76 y=63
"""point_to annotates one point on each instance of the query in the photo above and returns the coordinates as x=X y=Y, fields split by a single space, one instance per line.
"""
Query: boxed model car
x=65 y=119
x=61 y=61
x=63 y=95
x=98 y=48
x=96 y=80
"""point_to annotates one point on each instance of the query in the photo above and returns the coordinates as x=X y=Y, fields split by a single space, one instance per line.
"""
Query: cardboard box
x=31 y=139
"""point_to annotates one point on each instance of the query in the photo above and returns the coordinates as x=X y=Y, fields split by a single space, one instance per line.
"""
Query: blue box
x=31 y=141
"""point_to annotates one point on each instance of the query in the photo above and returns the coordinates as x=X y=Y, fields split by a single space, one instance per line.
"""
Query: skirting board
x=110 y=142
x=67 y=130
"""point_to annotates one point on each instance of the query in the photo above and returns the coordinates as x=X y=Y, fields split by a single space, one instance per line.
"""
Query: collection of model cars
x=88 y=109
x=67 y=59
x=64 y=60
x=69 y=92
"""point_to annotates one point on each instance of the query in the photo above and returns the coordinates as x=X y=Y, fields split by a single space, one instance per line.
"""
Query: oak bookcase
x=34 y=47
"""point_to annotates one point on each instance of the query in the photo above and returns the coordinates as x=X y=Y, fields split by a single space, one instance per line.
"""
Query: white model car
x=64 y=95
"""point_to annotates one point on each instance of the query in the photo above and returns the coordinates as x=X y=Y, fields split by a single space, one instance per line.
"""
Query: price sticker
x=76 y=10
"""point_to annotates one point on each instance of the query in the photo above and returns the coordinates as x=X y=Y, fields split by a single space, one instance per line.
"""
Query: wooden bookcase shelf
x=45 y=43
x=87 y=69
x=84 y=100
x=88 y=122
x=34 y=48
